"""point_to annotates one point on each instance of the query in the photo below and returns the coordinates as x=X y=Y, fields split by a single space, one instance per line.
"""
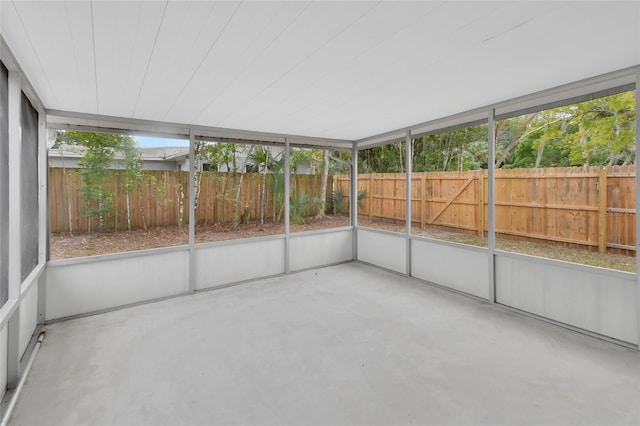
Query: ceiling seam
x=303 y=60
x=206 y=55
x=153 y=49
x=24 y=27
x=261 y=54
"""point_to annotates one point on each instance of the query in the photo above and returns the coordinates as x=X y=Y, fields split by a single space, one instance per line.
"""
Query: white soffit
x=339 y=70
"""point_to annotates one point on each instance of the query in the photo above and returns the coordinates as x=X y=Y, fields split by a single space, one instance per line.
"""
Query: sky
x=149 y=142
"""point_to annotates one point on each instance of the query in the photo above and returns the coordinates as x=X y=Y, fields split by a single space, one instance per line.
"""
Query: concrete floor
x=349 y=344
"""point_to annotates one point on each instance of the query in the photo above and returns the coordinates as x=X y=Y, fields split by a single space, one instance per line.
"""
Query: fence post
x=370 y=197
x=602 y=210
x=423 y=200
x=481 y=203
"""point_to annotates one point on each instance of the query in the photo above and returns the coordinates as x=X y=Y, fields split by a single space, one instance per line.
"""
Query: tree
x=595 y=132
x=319 y=162
x=454 y=150
x=100 y=153
x=263 y=158
x=133 y=169
x=322 y=196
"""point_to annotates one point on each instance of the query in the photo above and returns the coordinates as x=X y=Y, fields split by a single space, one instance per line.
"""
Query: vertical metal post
x=353 y=201
x=43 y=212
x=192 y=211
x=287 y=188
x=43 y=207
x=15 y=225
x=491 y=203
x=638 y=204
x=408 y=163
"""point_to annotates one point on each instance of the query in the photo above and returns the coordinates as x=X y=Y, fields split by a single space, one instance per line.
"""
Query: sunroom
x=436 y=199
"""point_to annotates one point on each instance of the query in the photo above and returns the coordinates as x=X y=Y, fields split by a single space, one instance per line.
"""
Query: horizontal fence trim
x=619 y=210
x=587 y=176
x=382 y=197
x=464 y=203
x=546 y=237
x=398 y=218
x=451 y=225
x=621 y=246
x=547 y=206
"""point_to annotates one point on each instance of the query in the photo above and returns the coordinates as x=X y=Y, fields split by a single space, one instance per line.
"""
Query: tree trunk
x=141 y=202
x=197 y=179
x=322 y=196
x=539 y=154
x=585 y=154
x=264 y=198
x=236 y=200
x=516 y=138
x=66 y=184
x=400 y=155
x=129 y=211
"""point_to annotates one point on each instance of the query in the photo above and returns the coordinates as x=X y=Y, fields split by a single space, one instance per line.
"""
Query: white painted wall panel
x=386 y=250
x=3 y=360
x=244 y=260
x=584 y=297
x=462 y=268
x=28 y=317
x=308 y=251
x=87 y=286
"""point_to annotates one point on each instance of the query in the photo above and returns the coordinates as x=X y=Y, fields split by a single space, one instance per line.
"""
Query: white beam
x=491 y=202
x=15 y=186
x=407 y=197
x=192 y=210
x=15 y=226
x=637 y=202
x=287 y=189
x=43 y=212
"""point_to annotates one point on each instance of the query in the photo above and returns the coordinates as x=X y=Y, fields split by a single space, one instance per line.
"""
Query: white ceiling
x=343 y=70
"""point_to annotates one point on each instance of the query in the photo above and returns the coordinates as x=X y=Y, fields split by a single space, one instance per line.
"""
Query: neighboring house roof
x=173 y=154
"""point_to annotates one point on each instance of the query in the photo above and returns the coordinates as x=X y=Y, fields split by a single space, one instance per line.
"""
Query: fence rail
x=565 y=205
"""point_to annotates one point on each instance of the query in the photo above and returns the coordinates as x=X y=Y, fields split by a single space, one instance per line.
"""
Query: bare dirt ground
x=64 y=246
x=563 y=252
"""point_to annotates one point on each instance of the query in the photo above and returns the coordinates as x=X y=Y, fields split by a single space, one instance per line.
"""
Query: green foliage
x=100 y=154
x=383 y=159
x=456 y=150
x=337 y=197
x=598 y=132
x=296 y=207
x=361 y=196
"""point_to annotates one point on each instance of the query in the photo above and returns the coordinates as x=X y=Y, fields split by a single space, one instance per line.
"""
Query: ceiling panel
x=314 y=77
x=26 y=45
x=124 y=37
x=237 y=60
x=316 y=26
x=190 y=32
x=343 y=70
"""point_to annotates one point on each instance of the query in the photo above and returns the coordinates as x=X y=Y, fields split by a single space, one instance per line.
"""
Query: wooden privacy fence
x=565 y=205
x=162 y=199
